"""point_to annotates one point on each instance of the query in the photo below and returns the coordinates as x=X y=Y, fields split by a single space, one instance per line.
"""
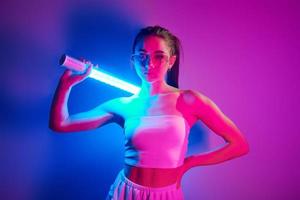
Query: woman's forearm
x=59 y=109
x=227 y=152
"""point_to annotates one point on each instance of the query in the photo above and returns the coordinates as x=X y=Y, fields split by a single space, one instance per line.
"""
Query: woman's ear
x=172 y=61
x=131 y=64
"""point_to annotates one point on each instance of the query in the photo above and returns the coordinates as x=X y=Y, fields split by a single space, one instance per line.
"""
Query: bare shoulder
x=116 y=108
x=193 y=97
x=198 y=102
x=114 y=105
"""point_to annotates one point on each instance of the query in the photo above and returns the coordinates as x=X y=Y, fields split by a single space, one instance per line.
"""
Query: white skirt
x=125 y=189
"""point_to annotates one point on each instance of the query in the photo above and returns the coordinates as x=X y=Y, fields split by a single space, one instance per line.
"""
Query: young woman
x=156 y=121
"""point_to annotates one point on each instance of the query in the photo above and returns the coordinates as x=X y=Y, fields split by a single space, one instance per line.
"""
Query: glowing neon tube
x=77 y=65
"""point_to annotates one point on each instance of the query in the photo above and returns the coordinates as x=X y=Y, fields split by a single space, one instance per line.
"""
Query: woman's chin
x=150 y=78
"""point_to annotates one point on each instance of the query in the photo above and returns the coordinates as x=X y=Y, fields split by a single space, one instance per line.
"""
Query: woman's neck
x=153 y=88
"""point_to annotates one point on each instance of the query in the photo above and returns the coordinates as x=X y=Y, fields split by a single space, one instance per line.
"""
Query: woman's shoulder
x=193 y=97
x=115 y=104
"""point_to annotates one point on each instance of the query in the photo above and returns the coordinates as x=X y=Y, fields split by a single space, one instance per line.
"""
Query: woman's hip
x=125 y=189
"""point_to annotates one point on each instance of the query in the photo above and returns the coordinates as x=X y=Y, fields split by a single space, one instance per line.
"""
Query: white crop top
x=156 y=141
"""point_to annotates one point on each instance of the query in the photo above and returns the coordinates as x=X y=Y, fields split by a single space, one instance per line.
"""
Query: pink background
x=244 y=55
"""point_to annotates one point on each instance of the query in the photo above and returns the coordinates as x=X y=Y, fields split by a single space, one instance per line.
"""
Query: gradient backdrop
x=244 y=55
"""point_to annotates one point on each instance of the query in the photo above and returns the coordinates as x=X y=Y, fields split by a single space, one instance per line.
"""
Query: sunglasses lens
x=143 y=59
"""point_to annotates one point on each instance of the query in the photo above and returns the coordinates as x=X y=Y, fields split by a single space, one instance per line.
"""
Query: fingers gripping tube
x=72 y=63
x=77 y=65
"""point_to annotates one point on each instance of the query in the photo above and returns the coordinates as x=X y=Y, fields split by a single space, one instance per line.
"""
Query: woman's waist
x=151 y=177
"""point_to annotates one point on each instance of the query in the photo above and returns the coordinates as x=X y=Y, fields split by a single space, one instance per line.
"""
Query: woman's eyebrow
x=157 y=51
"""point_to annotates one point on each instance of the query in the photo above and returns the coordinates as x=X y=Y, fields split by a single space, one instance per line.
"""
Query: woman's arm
x=208 y=112
x=61 y=121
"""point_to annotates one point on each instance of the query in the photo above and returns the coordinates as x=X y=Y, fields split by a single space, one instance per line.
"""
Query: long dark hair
x=172 y=41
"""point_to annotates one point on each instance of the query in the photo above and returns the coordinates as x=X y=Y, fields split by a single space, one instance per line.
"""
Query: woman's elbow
x=242 y=148
x=239 y=147
x=57 y=127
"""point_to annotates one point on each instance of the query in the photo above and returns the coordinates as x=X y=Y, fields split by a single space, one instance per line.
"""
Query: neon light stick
x=76 y=65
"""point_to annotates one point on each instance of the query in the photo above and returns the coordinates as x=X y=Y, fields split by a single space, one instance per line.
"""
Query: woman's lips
x=147 y=72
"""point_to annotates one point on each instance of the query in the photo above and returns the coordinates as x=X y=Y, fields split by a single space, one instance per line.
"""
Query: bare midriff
x=151 y=177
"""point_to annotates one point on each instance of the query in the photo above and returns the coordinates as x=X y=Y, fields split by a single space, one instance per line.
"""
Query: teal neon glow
x=113 y=81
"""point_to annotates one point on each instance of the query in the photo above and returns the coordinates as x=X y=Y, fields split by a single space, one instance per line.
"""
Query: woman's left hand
x=182 y=169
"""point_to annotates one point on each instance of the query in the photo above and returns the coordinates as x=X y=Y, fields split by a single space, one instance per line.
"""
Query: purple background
x=244 y=55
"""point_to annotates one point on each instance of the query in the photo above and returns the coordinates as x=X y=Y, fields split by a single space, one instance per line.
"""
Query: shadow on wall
x=198 y=139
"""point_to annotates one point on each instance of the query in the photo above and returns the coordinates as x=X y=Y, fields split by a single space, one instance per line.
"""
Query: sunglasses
x=157 y=59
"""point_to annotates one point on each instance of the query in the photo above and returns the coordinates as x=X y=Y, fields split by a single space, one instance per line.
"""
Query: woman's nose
x=150 y=64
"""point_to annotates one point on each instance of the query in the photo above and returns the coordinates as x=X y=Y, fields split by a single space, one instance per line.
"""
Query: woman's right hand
x=71 y=78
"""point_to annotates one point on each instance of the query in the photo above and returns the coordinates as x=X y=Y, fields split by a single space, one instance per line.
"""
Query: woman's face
x=152 y=59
